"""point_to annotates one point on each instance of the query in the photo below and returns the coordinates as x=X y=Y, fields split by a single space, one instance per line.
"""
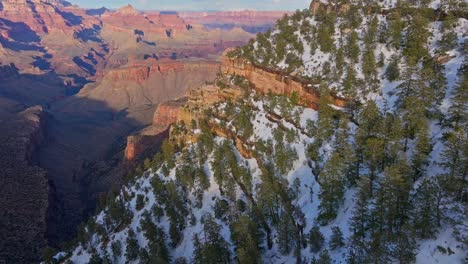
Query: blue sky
x=198 y=4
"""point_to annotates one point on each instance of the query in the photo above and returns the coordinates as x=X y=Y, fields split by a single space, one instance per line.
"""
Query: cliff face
x=266 y=81
x=151 y=137
x=185 y=109
x=43 y=16
x=24 y=187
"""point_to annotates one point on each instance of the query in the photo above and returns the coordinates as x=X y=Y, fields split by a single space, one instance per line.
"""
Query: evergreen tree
x=455 y=162
x=368 y=63
x=396 y=28
x=116 y=248
x=349 y=82
x=332 y=188
x=392 y=73
x=352 y=47
x=361 y=214
x=133 y=248
x=286 y=234
x=421 y=152
x=416 y=39
x=392 y=204
x=426 y=212
x=246 y=236
x=326 y=122
x=325 y=32
x=336 y=240
x=449 y=36
x=157 y=250
x=324 y=258
x=315 y=239
x=459 y=109
x=213 y=249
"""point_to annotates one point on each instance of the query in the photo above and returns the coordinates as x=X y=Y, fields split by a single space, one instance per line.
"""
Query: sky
x=179 y=5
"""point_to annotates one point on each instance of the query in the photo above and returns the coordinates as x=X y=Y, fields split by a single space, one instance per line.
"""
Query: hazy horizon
x=197 y=5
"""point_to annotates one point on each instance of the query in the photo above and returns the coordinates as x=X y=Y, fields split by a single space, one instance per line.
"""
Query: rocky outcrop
x=25 y=188
x=267 y=80
x=151 y=137
x=185 y=109
x=319 y=6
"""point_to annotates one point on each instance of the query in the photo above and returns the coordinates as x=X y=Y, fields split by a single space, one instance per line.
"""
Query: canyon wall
x=24 y=187
x=152 y=136
x=266 y=81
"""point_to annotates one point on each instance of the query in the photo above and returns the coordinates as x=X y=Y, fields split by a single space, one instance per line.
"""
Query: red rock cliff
x=165 y=115
x=266 y=81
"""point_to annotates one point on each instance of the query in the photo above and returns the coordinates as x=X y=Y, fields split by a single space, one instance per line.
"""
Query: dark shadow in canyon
x=70 y=18
x=89 y=68
x=20 y=37
x=85 y=142
x=89 y=34
x=19 y=31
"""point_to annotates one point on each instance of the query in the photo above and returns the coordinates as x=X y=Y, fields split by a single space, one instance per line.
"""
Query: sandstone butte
x=129 y=19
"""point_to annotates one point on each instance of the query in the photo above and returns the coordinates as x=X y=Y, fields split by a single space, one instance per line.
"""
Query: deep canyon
x=74 y=84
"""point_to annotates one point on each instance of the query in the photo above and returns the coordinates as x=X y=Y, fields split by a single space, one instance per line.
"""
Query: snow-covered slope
x=382 y=180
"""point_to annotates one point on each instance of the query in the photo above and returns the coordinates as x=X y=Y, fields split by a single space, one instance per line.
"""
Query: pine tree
x=213 y=249
x=116 y=248
x=459 y=109
x=421 y=152
x=455 y=161
x=332 y=188
x=396 y=28
x=392 y=73
x=325 y=123
x=157 y=249
x=392 y=204
x=426 y=208
x=449 y=36
x=368 y=64
x=324 y=258
x=416 y=39
x=352 y=47
x=349 y=82
x=286 y=234
x=325 y=32
x=361 y=214
x=133 y=248
x=336 y=240
x=246 y=236
x=315 y=239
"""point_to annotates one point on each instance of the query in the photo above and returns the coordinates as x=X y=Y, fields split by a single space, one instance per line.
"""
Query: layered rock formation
x=251 y=21
x=267 y=80
x=151 y=137
x=185 y=109
x=24 y=187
